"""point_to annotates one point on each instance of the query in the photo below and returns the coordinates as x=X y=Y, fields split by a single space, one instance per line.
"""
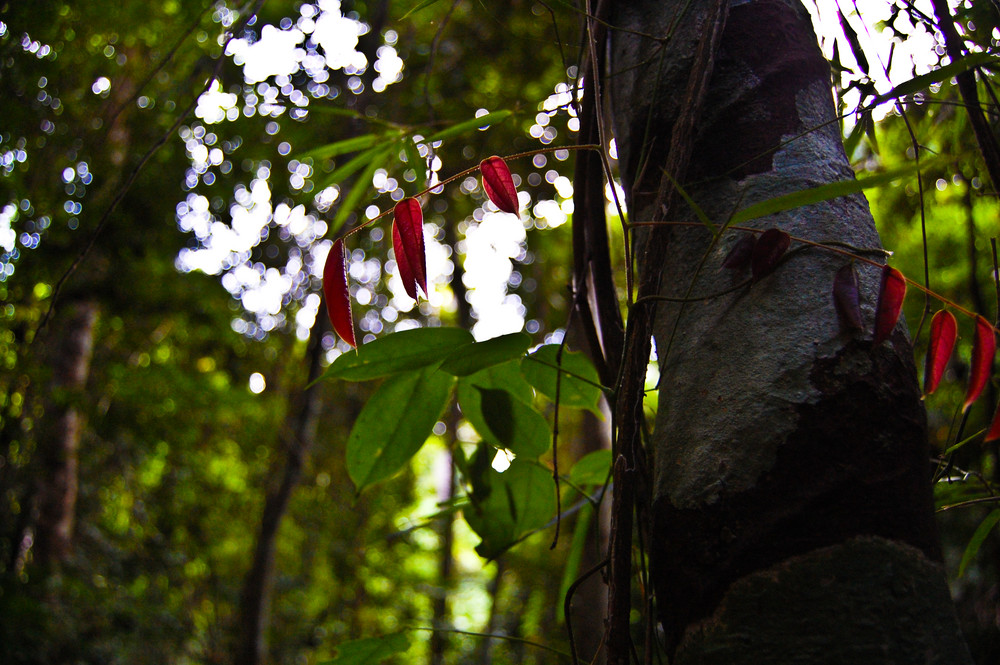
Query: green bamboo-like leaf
x=571 y=571
x=833 y=190
x=854 y=138
x=415 y=161
x=351 y=166
x=592 y=469
x=418 y=7
x=370 y=650
x=522 y=499
x=352 y=144
x=480 y=355
x=497 y=403
x=469 y=125
x=924 y=81
x=360 y=189
x=854 y=43
x=697 y=209
x=398 y=352
x=581 y=386
x=394 y=424
x=977 y=540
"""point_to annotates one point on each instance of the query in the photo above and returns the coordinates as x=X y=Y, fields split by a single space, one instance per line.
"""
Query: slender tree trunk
x=588 y=608
x=297 y=438
x=446 y=564
x=791 y=511
x=299 y=431
x=60 y=440
x=484 y=650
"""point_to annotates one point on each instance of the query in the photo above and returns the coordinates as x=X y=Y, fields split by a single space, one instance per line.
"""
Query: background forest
x=173 y=486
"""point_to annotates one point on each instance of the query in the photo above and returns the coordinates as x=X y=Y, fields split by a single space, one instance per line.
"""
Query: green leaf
x=398 y=352
x=418 y=7
x=480 y=355
x=359 y=189
x=340 y=147
x=505 y=376
x=580 y=387
x=522 y=499
x=352 y=166
x=924 y=81
x=854 y=43
x=370 y=650
x=833 y=190
x=592 y=469
x=469 y=125
x=571 y=571
x=394 y=424
x=854 y=138
x=497 y=403
x=977 y=540
x=512 y=424
x=415 y=161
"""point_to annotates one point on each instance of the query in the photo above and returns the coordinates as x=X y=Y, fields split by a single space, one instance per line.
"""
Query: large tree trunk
x=791 y=504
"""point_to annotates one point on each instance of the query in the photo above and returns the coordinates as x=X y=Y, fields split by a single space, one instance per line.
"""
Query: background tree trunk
x=61 y=429
x=791 y=509
x=297 y=437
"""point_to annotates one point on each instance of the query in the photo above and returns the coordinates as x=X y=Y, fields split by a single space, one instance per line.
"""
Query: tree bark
x=297 y=438
x=791 y=509
x=60 y=433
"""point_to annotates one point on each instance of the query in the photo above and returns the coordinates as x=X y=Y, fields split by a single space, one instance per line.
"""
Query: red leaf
x=408 y=243
x=983 y=348
x=845 y=298
x=739 y=256
x=890 y=302
x=993 y=433
x=405 y=272
x=338 y=299
x=944 y=332
x=767 y=251
x=499 y=184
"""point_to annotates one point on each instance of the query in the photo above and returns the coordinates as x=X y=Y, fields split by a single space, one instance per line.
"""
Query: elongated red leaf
x=768 y=250
x=983 y=348
x=499 y=184
x=408 y=243
x=405 y=271
x=944 y=332
x=738 y=257
x=845 y=298
x=338 y=298
x=890 y=303
x=993 y=433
